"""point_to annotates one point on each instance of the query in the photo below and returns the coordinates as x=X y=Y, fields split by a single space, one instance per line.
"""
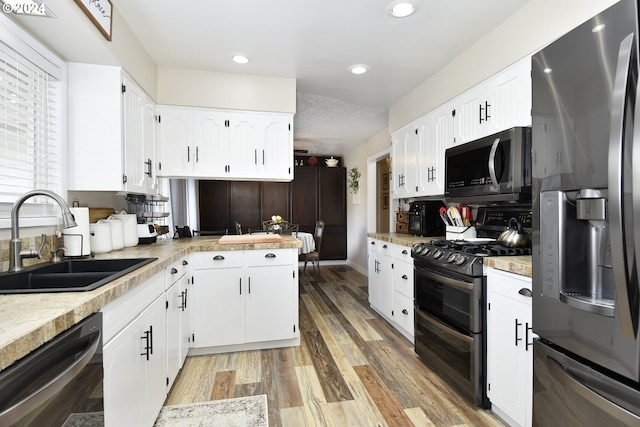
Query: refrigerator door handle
x=572 y=381
x=619 y=259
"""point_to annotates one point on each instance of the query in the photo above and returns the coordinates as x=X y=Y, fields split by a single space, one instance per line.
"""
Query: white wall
x=357 y=214
x=223 y=90
x=534 y=26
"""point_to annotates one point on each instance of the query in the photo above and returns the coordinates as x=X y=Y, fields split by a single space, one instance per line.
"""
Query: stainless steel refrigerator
x=586 y=231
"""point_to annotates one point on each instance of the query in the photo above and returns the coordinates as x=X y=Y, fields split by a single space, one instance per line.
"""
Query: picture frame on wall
x=99 y=12
x=385 y=200
x=385 y=181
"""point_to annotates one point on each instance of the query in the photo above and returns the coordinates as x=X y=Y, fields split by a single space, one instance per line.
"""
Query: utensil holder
x=459 y=233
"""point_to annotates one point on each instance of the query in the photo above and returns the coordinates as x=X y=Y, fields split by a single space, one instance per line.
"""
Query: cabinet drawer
x=385 y=247
x=403 y=312
x=402 y=253
x=403 y=278
x=217 y=259
x=175 y=271
x=373 y=245
x=262 y=257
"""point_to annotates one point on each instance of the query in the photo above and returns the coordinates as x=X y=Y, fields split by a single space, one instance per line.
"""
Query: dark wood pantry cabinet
x=315 y=193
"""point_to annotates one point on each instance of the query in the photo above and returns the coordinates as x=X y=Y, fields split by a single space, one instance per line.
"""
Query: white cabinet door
x=372 y=280
x=155 y=377
x=135 y=154
x=276 y=138
x=123 y=377
x=405 y=147
x=178 y=331
x=219 y=305
x=174 y=150
x=243 y=149
x=211 y=143
x=439 y=138
x=509 y=345
x=385 y=286
x=469 y=114
x=134 y=363
x=270 y=303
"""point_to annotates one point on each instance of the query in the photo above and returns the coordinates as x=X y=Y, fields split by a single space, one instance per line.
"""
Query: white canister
x=76 y=239
x=101 y=237
x=117 y=233
x=130 y=226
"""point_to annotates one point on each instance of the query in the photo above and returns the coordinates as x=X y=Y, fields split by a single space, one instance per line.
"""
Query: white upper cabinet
x=210 y=143
x=403 y=154
x=500 y=102
x=111 y=125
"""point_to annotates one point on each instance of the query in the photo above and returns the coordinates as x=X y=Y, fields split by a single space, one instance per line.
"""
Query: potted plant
x=353 y=180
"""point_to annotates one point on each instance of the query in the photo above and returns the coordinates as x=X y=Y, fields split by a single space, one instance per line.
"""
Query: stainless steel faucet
x=15 y=245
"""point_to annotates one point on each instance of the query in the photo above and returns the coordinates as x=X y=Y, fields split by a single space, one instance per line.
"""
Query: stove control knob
x=425 y=251
x=461 y=260
x=451 y=257
x=417 y=248
x=437 y=253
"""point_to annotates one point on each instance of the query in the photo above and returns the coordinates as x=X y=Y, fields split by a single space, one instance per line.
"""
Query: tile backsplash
x=51 y=241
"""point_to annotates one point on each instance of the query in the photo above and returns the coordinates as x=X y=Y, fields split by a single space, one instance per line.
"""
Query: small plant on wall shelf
x=353 y=180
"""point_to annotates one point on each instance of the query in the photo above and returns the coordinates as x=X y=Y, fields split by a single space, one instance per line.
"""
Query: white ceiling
x=315 y=41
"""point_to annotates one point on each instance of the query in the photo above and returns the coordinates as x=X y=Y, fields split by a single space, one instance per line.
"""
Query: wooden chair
x=314 y=256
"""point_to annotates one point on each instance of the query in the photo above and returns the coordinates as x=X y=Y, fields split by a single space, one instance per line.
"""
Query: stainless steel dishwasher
x=59 y=383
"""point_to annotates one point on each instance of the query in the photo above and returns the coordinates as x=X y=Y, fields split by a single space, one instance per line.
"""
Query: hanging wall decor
x=100 y=13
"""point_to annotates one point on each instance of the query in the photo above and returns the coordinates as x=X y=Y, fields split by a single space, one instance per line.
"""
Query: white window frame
x=33 y=214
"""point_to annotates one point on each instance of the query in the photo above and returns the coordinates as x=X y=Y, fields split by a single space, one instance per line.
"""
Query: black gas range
x=449 y=309
x=466 y=256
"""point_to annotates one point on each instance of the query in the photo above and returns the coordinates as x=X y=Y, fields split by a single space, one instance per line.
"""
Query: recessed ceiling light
x=240 y=59
x=358 y=69
x=401 y=8
x=598 y=28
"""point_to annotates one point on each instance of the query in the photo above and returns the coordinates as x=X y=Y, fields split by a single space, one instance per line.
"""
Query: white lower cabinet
x=135 y=357
x=509 y=346
x=178 y=317
x=391 y=284
x=245 y=299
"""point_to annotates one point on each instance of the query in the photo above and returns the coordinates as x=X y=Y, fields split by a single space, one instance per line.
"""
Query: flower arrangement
x=276 y=219
x=353 y=180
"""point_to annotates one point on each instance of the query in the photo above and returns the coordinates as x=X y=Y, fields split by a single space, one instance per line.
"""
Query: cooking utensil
x=443 y=215
x=456 y=219
x=514 y=236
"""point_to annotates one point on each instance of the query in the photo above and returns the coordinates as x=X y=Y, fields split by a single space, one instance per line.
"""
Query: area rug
x=239 y=412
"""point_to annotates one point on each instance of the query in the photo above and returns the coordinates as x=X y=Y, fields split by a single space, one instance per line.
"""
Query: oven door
x=456 y=357
x=456 y=301
x=448 y=329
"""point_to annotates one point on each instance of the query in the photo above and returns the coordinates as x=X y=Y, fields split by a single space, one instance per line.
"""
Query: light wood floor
x=351 y=369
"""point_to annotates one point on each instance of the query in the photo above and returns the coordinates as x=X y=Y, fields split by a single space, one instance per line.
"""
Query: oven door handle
x=444 y=279
x=444 y=328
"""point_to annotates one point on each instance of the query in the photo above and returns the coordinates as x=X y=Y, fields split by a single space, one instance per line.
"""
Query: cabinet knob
x=270 y=255
x=404 y=252
x=385 y=247
x=185 y=262
x=218 y=258
x=174 y=270
x=404 y=311
x=404 y=276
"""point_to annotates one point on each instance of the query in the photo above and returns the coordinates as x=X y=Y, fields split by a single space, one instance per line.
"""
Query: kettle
x=514 y=236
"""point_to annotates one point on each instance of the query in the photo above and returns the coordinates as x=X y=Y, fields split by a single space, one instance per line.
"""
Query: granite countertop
x=513 y=264
x=30 y=320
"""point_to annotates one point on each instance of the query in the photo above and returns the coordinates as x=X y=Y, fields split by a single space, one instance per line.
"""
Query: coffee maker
x=424 y=218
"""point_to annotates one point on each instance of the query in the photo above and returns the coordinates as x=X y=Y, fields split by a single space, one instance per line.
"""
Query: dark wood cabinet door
x=332 y=197
x=276 y=200
x=214 y=205
x=305 y=198
x=245 y=204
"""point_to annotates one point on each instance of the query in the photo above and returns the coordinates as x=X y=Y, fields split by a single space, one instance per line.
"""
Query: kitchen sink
x=69 y=275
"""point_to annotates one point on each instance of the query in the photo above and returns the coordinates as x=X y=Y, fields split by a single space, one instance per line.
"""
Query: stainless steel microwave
x=493 y=169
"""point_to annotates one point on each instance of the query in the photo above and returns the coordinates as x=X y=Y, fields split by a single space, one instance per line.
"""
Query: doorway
x=383 y=200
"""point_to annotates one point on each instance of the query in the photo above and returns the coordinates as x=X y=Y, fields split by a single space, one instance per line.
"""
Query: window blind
x=30 y=121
